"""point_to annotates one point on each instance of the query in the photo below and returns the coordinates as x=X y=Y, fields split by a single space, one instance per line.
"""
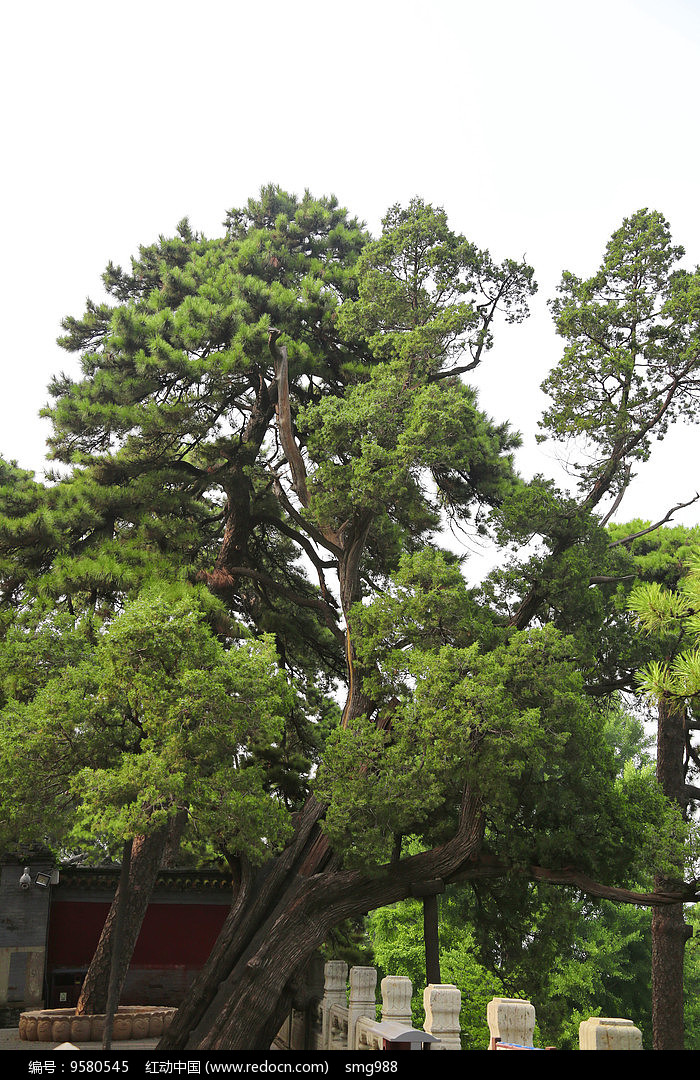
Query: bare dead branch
x=284 y=418
x=656 y=525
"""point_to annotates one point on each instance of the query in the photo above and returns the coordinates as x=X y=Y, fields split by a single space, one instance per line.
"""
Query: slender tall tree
x=672 y=683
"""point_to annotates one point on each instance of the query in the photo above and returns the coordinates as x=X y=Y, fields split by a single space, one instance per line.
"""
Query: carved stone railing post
x=335 y=992
x=397 y=991
x=443 y=1002
x=338 y=1027
x=511 y=1020
x=366 y=1035
x=363 y=985
x=609 y=1033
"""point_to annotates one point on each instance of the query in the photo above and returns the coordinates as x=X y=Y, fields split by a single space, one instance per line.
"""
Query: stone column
x=363 y=986
x=511 y=1020
x=335 y=992
x=609 y=1033
x=397 y=991
x=442 y=1003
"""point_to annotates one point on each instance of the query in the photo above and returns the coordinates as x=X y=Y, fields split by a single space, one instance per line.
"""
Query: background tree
x=599 y=965
x=628 y=371
x=671 y=683
x=396 y=934
x=154 y=726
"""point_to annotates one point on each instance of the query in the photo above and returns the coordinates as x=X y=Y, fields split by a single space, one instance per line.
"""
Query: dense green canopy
x=266 y=432
x=287 y=399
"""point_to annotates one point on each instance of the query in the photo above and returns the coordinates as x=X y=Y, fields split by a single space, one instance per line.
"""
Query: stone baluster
x=363 y=985
x=443 y=1002
x=397 y=991
x=609 y=1033
x=338 y=1022
x=511 y=1020
x=335 y=992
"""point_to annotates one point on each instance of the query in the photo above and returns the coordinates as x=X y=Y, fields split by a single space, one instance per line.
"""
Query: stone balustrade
x=397 y=992
x=609 y=1033
x=338 y=1028
x=512 y=1024
x=335 y=993
x=349 y=1019
x=368 y=1036
x=362 y=999
x=442 y=1003
x=349 y=1016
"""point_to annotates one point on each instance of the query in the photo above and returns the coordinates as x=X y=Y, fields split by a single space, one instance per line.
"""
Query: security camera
x=25 y=881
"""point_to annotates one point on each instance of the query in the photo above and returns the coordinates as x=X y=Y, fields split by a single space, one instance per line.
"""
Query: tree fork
x=240 y=1014
x=245 y=1005
x=256 y=896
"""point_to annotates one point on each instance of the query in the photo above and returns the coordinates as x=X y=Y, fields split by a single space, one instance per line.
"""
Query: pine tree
x=279 y=415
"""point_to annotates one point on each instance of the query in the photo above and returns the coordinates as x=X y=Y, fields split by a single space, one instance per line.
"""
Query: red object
x=172 y=935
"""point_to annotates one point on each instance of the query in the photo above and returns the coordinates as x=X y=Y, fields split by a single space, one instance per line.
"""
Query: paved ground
x=10 y=1040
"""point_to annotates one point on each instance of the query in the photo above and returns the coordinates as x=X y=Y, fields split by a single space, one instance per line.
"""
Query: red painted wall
x=177 y=935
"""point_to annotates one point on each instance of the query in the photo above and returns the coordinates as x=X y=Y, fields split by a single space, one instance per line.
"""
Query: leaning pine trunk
x=239 y=999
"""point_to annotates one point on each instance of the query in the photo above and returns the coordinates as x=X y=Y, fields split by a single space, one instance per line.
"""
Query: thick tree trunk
x=669 y=931
x=280 y=919
x=255 y=896
x=146 y=860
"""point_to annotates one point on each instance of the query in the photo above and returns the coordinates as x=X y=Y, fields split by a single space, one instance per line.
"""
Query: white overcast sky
x=537 y=124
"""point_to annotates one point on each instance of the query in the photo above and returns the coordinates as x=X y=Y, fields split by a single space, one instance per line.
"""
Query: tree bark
x=114 y=987
x=669 y=931
x=146 y=859
x=238 y=1000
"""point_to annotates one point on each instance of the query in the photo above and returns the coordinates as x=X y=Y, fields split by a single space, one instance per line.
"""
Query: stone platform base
x=62 y=1025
